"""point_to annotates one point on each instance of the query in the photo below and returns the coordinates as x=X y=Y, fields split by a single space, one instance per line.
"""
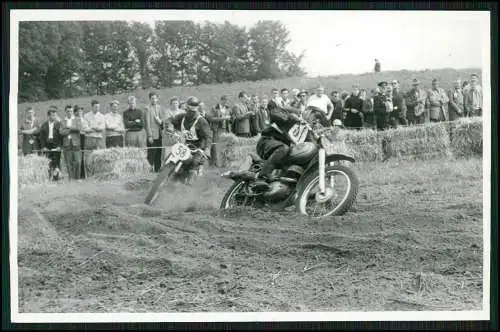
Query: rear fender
x=313 y=165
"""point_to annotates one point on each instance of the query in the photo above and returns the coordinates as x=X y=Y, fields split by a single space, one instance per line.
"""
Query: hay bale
x=363 y=145
x=117 y=163
x=467 y=137
x=235 y=150
x=32 y=169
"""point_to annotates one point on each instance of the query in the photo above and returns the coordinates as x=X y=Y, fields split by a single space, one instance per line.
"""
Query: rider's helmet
x=193 y=102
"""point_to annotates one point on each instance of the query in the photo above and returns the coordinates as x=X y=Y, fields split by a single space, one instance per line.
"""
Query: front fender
x=313 y=165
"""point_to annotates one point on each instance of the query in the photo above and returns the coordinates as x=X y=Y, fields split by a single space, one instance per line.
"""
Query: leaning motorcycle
x=318 y=183
x=178 y=167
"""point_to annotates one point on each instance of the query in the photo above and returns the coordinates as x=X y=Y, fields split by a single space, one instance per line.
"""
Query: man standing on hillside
x=50 y=142
x=437 y=103
x=456 y=103
x=133 y=118
x=377 y=67
x=29 y=130
x=399 y=103
x=217 y=117
x=415 y=104
x=94 y=128
x=240 y=115
x=154 y=117
x=474 y=98
x=71 y=127
x=114 y=126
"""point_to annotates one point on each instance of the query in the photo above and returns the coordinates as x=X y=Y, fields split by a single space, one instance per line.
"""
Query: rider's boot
x=265 y=175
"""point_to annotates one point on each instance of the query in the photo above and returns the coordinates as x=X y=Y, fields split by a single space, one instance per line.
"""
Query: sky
x=342 y=42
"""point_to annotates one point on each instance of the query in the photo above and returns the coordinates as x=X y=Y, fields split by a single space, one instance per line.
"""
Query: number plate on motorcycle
x=298 y=133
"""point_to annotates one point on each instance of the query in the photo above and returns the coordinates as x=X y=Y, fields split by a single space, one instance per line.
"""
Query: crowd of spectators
x=79 y=133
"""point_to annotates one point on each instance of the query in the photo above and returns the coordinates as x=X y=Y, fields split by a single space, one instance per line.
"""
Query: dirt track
x=414 y=242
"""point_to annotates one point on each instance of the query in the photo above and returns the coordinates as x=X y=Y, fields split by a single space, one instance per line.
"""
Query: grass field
x=412 y=242
x=210 y=94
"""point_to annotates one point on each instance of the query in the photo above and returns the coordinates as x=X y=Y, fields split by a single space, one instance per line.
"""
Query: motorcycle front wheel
x=341 y=185
x=163 y=177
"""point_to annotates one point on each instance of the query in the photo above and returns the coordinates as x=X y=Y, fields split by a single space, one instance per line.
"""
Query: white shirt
x=95 y=120
x=51 y=130
x=114 y=124
x=320 y=102
x=69 y=122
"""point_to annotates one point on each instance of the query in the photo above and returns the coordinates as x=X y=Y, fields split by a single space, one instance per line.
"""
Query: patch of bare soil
x=412 y=242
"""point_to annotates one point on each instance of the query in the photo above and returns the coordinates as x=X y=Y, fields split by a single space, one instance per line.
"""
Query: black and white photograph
x=249 y=165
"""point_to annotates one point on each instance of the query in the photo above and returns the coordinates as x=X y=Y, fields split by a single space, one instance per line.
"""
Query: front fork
x=321 y=163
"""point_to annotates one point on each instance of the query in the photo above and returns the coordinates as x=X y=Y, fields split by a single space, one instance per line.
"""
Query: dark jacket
x=217 y=122
x=382 y=112
x=129 y=119
x=354 y=120
x=283 y=118
x=399 y=110
x=71 y=135
x=44 y=135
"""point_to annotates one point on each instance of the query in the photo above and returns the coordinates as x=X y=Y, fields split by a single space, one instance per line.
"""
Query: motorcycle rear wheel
x=163 y=177
x=305 y=193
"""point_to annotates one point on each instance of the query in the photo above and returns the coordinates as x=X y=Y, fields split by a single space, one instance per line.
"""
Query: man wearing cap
x=133 y=118
x=456 y=103
x=474 y=98
x=399 y=104
x=415 y=104
x=70 y=130
x=114 y=126
x=240 y=116
x=218 y=118
x=437 y=103
x=154 y=119
x=196 y=131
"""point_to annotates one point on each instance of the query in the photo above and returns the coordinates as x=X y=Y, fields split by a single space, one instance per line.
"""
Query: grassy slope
x=414 y=243
x=211 y=93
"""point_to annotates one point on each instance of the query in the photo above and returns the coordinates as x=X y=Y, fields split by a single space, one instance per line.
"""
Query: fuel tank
x=302 y=153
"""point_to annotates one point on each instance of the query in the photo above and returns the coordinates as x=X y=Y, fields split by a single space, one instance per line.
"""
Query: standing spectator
x=343 y=97
x=133 y=118
x=437 y=103
x=50 y=142
x=415 y=104
x=456 y=103
x=71 y=128
x=338 y=107
x=286 y=101
x=154 y=118
x=369 y=115
x=78 y=111
x=399 y=103
x=218 y=118
x=465 y=86
x=382 y=107
x=114 y=126
x=275 y=97
x=182 y=105
x=168 y=136
x=377 y=67
x=29 y=130
x=240 y=116
x=300 y=101
x=94 y=128
x=263 y=113
x=323 y=104
x=253 y=107
x=223 y=108
x=353 y=108
x=295 y=95
x=474 y=98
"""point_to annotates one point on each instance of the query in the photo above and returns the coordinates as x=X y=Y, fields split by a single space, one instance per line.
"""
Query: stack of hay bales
x=236 y=150
x=467 y=137
x=32 y=169
x=117 y=163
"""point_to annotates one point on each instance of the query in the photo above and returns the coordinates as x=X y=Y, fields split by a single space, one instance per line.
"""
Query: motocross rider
x=195 y=130
x=274 y=143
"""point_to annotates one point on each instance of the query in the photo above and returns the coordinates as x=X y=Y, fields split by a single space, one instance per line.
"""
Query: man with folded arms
x=114 y=126
x=133 y=118
x=71 y=126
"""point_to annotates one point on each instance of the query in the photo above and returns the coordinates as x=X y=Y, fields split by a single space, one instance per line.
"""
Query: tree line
x=69 y=59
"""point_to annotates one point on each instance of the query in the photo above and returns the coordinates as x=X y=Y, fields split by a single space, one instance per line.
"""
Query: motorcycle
x=178 y=167
x=309 y=178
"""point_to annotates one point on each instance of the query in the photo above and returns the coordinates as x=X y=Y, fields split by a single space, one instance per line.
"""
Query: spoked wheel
x=237 y=196
x=163 y=177
x=341 y=185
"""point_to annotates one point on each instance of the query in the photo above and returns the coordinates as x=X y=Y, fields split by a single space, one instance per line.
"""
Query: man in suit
x=415 y=104
x=474 y=98
x=437 y=103
x=399 y=104
x=71 y=127
x=154 y=118
x=382 y=108
x=240 y=116
x=456 y=103
x=29 y=131
x=217 y=117
x=50 y=142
